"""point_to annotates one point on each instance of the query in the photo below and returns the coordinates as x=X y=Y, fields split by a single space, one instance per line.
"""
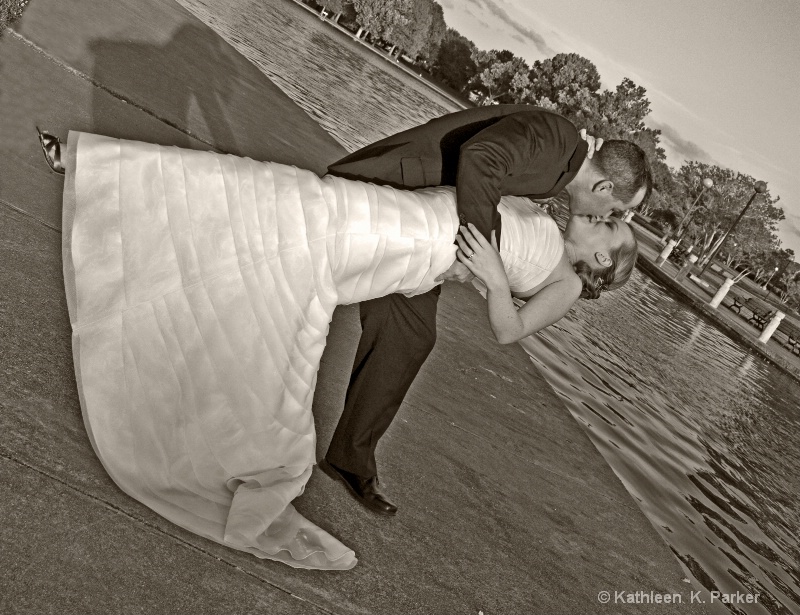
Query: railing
x=760 y=317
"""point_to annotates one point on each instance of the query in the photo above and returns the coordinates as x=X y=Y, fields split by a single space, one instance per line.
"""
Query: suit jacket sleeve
x=515 y=144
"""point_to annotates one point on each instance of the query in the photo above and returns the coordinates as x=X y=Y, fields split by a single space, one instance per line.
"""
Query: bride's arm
x=546 y=306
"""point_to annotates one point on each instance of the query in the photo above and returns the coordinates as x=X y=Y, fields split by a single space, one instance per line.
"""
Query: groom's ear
x=604 y=186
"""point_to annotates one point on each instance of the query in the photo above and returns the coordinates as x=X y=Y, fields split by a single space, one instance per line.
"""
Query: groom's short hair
x=625 y=164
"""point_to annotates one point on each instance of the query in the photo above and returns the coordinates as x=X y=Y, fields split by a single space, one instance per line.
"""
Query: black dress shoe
x=365 y=490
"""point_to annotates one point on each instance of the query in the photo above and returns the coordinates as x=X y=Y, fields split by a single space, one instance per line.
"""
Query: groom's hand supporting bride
x=456 y=273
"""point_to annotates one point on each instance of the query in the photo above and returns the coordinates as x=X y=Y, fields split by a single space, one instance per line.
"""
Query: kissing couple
x=201 y=287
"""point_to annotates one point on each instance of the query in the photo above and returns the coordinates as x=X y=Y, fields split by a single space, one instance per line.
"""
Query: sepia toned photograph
x=377 y=307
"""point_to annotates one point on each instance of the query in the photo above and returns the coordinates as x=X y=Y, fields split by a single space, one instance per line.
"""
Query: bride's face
x=593 y=235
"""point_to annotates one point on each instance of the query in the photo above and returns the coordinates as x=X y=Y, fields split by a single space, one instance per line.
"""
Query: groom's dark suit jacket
x=484 y=152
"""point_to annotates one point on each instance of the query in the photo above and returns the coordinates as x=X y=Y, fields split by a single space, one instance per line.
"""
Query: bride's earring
x=51 y=148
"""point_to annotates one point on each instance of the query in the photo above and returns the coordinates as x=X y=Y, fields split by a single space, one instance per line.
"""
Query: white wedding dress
x=200 y=290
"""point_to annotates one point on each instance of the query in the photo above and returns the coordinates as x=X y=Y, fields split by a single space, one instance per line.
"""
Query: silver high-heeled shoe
x=51 y=148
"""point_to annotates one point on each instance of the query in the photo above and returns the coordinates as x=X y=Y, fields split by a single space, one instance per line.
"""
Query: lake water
x=704 y=435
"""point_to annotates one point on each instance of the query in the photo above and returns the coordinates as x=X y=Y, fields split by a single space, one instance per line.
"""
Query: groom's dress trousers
x=485 y=153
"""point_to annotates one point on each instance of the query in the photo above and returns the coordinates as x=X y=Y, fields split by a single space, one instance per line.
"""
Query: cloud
x=470 y=10
x=669 y=99
x=793 y=222
x=684 y=148
x=789 y=232
x=528 y=34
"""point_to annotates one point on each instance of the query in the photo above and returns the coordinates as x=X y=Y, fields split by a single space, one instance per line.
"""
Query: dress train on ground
x=200 y=289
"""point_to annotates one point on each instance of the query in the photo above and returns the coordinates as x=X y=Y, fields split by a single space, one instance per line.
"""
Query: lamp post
x=707 y=183
x=758 y=188
x=772 y=275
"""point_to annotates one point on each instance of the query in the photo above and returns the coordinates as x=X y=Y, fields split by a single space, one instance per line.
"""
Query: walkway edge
x=708 y=313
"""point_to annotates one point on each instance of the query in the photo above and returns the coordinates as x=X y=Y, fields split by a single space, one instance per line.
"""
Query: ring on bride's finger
x=470 y=256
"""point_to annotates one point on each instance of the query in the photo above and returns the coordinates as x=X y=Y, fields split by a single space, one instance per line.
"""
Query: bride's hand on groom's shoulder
x=595 y=143
x=481 y=257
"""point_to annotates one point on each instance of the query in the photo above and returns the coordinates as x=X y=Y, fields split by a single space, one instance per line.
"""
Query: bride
x=200 y=290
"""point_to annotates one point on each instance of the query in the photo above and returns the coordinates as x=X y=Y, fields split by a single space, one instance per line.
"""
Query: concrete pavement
x=506 y=506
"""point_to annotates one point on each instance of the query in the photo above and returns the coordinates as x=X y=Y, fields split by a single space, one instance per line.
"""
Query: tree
x=664 y=179
x=10 y=11
x=436 y=30
x=789 y=283
x=570 y=84
x=335 y=6
x=754 y=241
x=501 y=76
x=665 y=219
x=341 y=9
x=620 y=114
x=566 y=82
x=623 y=110
x=655 y=203
x=453 y=63
x=422 y=32
x=382 y=16
x=757 y=247
x=791 y=294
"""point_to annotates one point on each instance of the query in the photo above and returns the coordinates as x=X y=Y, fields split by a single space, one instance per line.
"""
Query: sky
x=722 y=76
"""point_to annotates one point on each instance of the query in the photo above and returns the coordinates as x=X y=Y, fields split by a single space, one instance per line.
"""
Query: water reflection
x=343 y=86
x=703 y=436
x=694 y=336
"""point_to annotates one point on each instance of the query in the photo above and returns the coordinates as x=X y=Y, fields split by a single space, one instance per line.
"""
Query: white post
x=770 y=328
x=666 y=252
x=723 y=290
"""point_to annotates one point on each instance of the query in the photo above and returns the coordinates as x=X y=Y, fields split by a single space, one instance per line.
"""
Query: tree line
x=571 y=85
x=10 y=11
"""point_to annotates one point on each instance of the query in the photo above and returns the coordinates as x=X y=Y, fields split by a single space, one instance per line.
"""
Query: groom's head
x=618 y=177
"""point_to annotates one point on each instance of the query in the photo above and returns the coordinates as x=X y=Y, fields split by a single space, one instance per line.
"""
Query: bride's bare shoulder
x=564 y=275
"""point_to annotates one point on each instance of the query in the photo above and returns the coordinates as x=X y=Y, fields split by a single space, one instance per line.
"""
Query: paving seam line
x=22 y=212
x=5 y=454
x=113 y=93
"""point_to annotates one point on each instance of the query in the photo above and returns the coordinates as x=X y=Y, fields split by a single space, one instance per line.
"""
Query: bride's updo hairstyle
x=623 y=260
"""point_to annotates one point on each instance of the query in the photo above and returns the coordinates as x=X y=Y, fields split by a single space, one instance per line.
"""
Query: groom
x=484 y=152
